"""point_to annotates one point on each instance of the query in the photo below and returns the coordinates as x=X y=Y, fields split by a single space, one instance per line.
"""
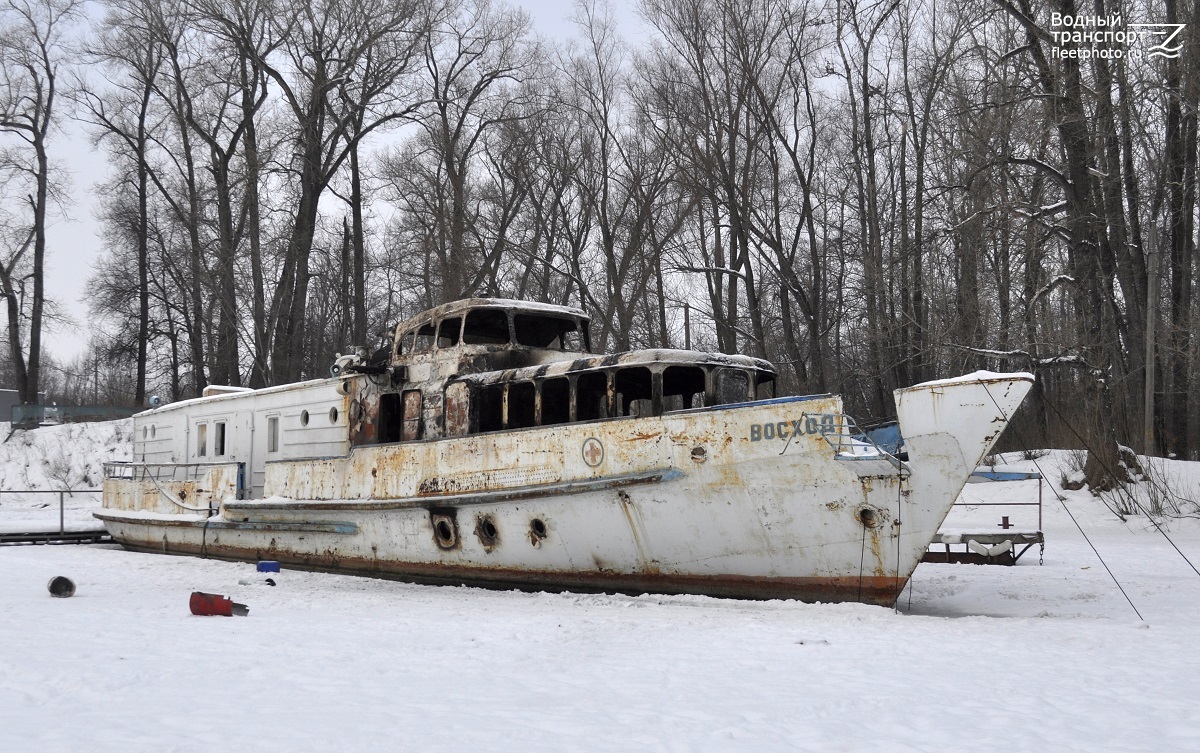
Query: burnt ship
x=486 y=444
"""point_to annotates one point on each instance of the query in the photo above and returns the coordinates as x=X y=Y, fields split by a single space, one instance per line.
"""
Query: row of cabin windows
x=493 y=327
x=589 y=396
x=218 y=439
x=634 y=391
x=218 y=446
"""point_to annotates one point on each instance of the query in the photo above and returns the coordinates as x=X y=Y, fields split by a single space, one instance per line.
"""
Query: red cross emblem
x=593 y=452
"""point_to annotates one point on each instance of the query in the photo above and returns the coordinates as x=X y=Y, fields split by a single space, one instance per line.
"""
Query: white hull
x=759 y=500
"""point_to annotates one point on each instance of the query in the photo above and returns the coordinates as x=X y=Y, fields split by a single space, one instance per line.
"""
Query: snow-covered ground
x=1027 y=658
x=35 y=466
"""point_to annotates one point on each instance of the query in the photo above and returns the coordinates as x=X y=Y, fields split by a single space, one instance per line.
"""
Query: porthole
x=445 y=530
x=152 y=431
x=485 y=529
x=537 y=531
x=304 y=418
x=145 y=431
x=869 y=518
x=333 y=415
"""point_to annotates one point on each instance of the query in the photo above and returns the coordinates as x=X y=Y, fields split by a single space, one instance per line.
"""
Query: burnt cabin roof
x=649 y=357
x=466 y=304
x=564 y=361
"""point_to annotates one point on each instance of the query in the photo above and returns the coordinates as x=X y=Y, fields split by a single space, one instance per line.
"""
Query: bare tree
x=475 y=64
x=32 y=50
x=343 y=58
x=132 y=54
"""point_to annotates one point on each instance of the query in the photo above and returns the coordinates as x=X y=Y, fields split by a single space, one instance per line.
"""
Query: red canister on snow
x=214 y=604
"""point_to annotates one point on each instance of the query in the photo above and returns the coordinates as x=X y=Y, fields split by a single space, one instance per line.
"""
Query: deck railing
x=849 y=442
x=160 y=472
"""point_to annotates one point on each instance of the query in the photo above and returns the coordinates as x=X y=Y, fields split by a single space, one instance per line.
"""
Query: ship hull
x=762 y=500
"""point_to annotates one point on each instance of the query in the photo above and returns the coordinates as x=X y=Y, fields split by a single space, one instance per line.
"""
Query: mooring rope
x=172 y=500
x=899 y=527
x=1063 y=501
x=862 y=559
x=168 y=497
x=1131 y=498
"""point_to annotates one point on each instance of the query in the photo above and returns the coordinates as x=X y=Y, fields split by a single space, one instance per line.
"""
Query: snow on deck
x=1025 y=658
x=976 y=376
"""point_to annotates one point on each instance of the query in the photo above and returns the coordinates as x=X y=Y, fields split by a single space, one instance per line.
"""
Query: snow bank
x=68 y=457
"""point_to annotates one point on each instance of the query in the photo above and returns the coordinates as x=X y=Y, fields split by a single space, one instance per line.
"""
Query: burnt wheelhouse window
x=400 y=416
x=491 y=407
x=683 y=387
x=556 y=401
x=448 y=332
x=591 y=396
x=551 y=332
x=425 y=338
x=635 y=391
x=731 y=386
x=391 y=417
x=486 y=327
x=764 y=385
x=521 y=408
x=407 y=342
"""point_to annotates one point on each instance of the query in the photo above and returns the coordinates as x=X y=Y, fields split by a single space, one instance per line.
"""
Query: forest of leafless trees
x=869 y=193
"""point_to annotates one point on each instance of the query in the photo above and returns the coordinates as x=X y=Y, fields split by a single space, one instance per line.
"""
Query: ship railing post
x=61 y=526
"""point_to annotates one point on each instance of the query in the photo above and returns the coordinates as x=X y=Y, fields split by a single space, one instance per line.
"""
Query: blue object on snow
x=268 y=566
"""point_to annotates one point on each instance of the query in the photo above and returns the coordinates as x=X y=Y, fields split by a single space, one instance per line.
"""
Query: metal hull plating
x=759 y=500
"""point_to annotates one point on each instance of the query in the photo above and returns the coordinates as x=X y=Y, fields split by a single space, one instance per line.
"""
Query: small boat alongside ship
x=486 y=444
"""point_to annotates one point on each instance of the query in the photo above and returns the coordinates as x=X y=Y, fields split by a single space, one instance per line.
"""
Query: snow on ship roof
x=976 y=376
x=466 y=304
x=629 y=358
x=210 y=399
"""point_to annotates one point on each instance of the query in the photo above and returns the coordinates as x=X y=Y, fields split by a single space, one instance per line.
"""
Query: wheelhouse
x=482 y=326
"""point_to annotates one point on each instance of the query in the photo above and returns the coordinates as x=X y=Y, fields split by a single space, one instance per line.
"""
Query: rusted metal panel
x=411 y=426
x=869 y=589
x=169 y=489
x=457 y=407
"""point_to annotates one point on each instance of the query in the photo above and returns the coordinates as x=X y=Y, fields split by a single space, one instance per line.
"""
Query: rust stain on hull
x=881 y=591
